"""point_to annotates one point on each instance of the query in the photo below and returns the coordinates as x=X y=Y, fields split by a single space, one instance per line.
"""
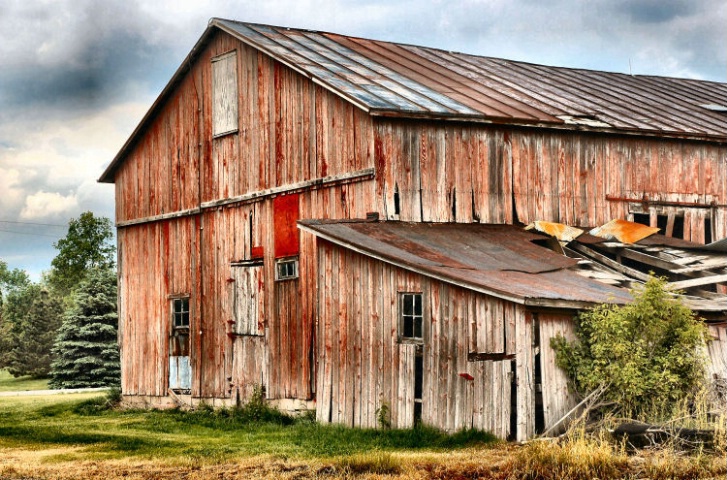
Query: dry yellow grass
x=503 y=462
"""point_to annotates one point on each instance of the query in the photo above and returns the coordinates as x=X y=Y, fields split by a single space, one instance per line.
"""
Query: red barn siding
x=466 y=173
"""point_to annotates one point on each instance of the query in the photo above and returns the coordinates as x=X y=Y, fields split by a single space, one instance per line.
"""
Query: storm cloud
x=78 y=75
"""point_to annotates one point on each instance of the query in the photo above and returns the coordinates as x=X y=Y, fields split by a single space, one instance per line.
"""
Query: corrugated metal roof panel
x=623 y=231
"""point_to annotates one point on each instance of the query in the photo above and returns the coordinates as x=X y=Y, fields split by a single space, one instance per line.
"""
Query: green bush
x=646 y=355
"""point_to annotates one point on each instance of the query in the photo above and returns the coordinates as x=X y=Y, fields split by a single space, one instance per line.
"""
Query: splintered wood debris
x=624 y=254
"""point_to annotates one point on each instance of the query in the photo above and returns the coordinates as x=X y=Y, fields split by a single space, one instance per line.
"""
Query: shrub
x=646 y=355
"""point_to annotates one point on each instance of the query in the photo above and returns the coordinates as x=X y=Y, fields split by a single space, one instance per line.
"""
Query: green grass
x=10 y=384
x=205 y=435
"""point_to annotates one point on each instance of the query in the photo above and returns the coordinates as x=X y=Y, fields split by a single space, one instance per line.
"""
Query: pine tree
x=33 y=316
x=86 y=349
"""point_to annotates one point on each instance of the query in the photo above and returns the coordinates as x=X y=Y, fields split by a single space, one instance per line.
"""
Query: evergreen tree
x=32 y=317
x=86 y=349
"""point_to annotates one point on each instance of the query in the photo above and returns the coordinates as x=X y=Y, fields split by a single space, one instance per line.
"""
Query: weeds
x=379 y=463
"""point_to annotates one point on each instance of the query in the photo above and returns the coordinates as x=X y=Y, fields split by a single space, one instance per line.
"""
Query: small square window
x=180 y=312
x=286 y=269
x=411 y=316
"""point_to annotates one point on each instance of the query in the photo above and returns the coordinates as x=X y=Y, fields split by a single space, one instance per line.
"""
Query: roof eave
x=308 y=226
x=108 y=175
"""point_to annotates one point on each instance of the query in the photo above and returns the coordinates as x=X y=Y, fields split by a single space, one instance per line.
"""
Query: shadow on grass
x=105 y=442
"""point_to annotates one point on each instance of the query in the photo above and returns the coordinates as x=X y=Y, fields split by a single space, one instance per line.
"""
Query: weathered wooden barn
x=430 y=309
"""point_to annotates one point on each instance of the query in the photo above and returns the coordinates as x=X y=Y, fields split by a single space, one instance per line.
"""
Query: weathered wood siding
x=363 y=364
x=290 y=131
x=717 y=352
x=558 y=398
x=430 y=171
x=155 y=260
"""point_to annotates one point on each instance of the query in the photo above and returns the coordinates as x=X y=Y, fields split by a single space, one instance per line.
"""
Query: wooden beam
x=648 y=259
x=313 y=184
x=695 y=282
x=351 y=177
x=598 y=257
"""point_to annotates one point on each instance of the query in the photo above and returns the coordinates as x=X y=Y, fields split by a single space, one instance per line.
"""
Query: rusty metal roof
x=499 y=260
x=623 y=231
x=394 y=79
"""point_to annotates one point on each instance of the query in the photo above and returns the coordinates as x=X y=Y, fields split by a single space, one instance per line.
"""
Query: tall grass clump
x=574 y=457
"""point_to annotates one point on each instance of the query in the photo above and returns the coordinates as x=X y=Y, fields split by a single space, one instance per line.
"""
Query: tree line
x=64 y=327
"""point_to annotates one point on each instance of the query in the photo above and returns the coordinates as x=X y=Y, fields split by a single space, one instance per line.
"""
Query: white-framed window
x=411 y=316
x=224 y=94
x=286 y=268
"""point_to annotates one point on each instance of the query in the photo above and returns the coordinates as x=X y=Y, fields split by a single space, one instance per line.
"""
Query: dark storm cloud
x=107 y=68
x=657 y=11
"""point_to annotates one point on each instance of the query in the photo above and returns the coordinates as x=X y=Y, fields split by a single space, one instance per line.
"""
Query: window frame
x=180 y=299
x=403 y=318
x=294 y=261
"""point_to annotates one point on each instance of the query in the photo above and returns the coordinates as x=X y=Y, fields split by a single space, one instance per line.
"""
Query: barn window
x=286 y=268
x=411 y=314
x=180 y=312
x=224 y=94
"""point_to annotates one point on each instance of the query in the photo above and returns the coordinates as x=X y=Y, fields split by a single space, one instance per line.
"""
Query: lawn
x=78 y=436
x=10 y=384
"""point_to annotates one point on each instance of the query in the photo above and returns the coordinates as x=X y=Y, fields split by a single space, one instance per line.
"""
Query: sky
x=76 y=76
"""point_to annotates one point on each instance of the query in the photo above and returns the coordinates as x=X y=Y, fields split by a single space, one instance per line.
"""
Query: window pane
x=408 y=327
x=407 y=306
x=417 y=304
x=418 y=327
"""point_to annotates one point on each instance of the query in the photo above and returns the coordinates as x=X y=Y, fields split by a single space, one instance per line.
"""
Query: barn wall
x=717 y=354
x=291 y=131
x=473 y=346
x=155 y=260
x=455 y=172
x=195 y=255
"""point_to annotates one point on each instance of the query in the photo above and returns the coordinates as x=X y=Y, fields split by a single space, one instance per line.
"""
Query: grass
x=78 y=436
x=204 y=435
x=10 y=384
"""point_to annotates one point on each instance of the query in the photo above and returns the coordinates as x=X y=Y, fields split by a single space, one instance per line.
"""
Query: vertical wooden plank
x=557 y=398
x=524 y=373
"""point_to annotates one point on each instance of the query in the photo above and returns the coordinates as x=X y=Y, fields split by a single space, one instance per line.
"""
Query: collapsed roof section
x=546 y=265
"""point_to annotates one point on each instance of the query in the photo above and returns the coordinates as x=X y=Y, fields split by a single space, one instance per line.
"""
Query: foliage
x=87 y=245
x=383 y=418
x=86 y=348
x=11 y=280
x=31 y=318
x=647 y=355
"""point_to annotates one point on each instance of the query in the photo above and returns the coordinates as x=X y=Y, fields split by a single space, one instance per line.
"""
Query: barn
x=339 y=220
